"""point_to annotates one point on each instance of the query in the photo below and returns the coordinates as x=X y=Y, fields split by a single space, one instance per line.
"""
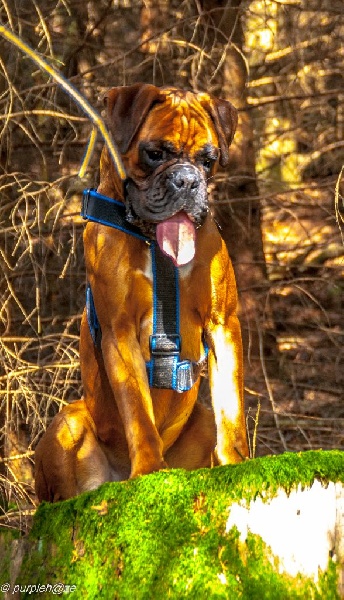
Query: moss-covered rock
x=166 y=535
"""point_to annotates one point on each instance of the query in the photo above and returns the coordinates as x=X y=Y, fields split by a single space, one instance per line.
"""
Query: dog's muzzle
x=169 y=206
x=169 y=190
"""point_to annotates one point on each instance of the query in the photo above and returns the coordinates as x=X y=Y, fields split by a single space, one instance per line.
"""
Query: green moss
x=163 y=535
x=7 y=536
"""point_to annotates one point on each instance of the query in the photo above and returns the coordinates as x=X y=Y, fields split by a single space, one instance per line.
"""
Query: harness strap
x=164 y=369
x=165 y=342
x=105 y=210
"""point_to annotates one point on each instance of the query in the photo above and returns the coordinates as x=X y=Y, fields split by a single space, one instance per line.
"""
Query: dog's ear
x=225 y=118
x=127 y=108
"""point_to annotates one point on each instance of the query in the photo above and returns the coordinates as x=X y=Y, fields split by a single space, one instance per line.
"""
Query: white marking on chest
x=147 y=271
x=185 y=270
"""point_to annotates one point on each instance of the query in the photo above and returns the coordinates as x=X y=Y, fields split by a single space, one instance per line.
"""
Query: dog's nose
x=184 y=179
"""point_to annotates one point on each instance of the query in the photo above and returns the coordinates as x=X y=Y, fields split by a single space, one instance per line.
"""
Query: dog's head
x=171 y=142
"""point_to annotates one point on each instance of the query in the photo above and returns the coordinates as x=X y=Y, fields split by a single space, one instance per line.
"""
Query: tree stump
x=271 y=527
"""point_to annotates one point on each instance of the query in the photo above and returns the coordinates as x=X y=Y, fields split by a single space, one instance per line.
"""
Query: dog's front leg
x=226 y=386
x=126 y=371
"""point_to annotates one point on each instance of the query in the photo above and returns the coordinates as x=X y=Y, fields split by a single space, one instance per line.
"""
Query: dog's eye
x=154 y=156
x=207 y=163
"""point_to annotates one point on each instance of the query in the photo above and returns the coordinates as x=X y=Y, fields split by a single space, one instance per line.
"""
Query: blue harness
x=165 y=369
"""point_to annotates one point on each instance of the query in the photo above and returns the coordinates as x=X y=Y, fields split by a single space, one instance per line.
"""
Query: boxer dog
x=171 y=142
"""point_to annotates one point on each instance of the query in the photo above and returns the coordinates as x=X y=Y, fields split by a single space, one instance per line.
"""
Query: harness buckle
x=162 y=344
x=185 y=376
x=85 y=201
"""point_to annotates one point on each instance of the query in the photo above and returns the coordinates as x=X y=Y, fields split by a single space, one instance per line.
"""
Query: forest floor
x=301 y=397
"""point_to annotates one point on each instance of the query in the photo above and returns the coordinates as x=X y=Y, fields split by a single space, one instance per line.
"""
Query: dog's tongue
x=176 y=238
